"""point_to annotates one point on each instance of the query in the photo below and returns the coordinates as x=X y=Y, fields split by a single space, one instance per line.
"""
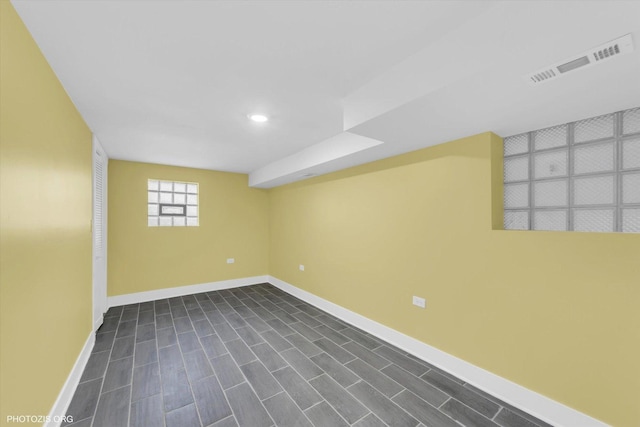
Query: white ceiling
x=343 y=82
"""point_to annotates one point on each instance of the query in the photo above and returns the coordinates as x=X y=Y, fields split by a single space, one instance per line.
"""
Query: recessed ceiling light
x=258 y=118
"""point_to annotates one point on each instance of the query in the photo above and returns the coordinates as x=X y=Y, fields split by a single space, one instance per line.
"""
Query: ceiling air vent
x=594 y=56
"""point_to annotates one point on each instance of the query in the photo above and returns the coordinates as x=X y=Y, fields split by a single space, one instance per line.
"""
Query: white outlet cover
x=301 y=267
x=420 y=302
x=231 y=260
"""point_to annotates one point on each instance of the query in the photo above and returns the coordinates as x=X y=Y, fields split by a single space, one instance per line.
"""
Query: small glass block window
x=172 y=204
x=548 y=165
x=550 y=193
x=631 y=220
x=598 y=220
x=631 y=154
x=631 y=121
x=550 y=220
x=594 y=190
x=594 y=128
x=631 y=188
x=550 y=137
x=581 y=176
x=516 y=196
x=516 y=220
x=594 y=158
x=516 y=144
x=516 y=169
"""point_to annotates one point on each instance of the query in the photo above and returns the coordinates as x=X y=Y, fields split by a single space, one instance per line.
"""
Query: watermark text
x=23 y=419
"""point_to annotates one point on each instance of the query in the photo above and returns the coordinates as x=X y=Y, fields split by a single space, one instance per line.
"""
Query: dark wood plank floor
x=257 y=356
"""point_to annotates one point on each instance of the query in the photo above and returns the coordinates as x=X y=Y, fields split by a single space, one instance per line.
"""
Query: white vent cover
x=594 y=56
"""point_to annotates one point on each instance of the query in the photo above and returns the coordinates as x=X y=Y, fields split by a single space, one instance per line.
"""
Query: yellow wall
x=233 y=224
x=45 y=234
x=555 y=312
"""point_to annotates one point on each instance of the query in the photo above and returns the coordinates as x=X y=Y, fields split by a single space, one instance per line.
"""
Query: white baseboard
x=183 y=290
x=61 y=405
x=533 y=403
x=98 y=323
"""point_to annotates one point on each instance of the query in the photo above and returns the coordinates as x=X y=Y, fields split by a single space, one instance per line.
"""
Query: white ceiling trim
x=309 y=161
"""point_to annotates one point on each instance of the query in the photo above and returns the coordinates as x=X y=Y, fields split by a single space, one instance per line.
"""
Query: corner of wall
x=196 y=254
x=497 y=191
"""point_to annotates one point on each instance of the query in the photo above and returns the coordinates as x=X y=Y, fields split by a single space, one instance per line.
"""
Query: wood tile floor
x=257 y=356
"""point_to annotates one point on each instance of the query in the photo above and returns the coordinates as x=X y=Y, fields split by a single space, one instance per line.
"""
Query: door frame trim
x=100 y=301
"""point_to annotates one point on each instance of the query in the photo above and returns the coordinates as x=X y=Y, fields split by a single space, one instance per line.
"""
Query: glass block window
x=581 y=176
x=172 y=204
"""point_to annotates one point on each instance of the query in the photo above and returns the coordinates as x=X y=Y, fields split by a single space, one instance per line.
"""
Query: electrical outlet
x=301 y=267
x=420 y=302
x=231 y=260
